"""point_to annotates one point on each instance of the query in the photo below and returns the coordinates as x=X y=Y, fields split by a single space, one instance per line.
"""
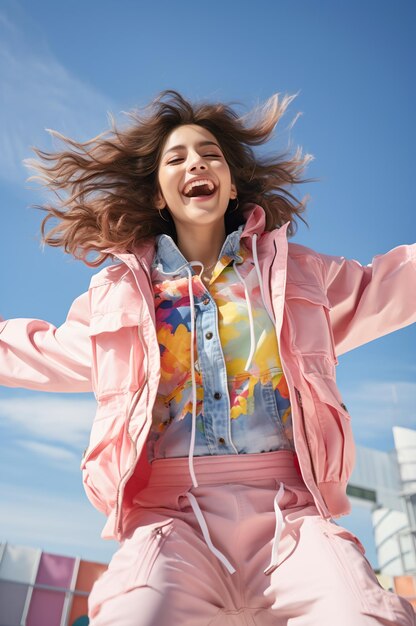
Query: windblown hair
x=109 y=182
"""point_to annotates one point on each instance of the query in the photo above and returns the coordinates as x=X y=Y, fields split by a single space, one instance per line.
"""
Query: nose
x=196 y=163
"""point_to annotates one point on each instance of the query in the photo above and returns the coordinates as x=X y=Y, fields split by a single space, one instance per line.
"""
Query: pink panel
x=45 y=608
x=55 y=570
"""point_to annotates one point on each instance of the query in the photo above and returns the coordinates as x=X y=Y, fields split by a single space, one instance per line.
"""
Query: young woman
x=221 y=448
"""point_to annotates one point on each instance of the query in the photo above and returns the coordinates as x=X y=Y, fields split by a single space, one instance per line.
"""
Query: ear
x=159 y=201
x=233 y=192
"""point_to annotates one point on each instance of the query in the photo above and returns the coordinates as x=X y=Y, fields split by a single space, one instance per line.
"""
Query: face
x=190 y=154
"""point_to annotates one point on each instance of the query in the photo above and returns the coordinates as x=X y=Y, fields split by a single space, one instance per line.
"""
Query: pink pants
x=250 y=514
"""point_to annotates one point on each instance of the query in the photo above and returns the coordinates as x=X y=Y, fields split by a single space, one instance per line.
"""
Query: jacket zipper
x=300 y=402
x=129 y=472
x=124 y=479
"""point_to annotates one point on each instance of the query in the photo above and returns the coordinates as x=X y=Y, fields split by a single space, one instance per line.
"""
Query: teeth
x=198 y=183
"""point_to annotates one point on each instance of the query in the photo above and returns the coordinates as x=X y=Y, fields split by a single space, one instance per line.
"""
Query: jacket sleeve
x=37 y=355
x=370 y=301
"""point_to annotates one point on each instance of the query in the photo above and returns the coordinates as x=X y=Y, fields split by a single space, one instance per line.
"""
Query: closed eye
x=215 y=156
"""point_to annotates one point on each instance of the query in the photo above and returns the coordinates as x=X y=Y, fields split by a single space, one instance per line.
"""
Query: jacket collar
x=169 y=258
x=254 y=225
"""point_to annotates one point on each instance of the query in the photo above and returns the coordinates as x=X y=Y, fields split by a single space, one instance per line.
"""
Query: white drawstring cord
x=194 y=398
x=250 y=318
x=278 y=531
x=257 y=266
x=204 y=528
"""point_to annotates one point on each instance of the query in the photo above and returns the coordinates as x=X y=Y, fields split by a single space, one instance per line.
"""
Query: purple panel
x=55 y=570
x=45 y=608
x=12 y=602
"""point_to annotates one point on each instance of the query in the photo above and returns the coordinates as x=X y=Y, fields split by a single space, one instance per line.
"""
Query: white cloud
x=62 y=524
x=56 y=454
x=38 y=92
x=58 y=517
x=58 y=420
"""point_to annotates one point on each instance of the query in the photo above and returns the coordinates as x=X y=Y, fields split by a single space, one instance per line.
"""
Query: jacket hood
x=255 y=220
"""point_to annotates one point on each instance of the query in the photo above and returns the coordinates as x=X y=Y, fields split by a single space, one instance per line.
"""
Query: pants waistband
x=228 y=468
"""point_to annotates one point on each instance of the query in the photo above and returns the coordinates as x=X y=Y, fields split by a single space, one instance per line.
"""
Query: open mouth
x=199 y=188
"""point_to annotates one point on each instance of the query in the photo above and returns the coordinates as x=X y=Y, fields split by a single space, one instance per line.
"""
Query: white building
x=384 y=483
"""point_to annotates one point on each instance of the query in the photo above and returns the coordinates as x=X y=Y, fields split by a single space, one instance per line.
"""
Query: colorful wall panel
x=406 y=586
x=38 y=588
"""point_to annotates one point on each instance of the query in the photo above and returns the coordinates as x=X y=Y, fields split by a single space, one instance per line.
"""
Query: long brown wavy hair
x=109 y=182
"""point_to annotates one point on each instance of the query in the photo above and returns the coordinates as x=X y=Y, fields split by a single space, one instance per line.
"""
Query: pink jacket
x=323 y=306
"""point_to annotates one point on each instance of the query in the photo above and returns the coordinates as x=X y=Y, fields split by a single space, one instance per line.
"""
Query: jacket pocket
x=118 y=353
x=108 y=454
x=326 y=391
x=328 y=430
x=132 y=565
x=108 y=422
x=307 y=309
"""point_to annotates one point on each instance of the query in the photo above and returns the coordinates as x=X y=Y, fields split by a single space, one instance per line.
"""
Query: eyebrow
x=200 y=144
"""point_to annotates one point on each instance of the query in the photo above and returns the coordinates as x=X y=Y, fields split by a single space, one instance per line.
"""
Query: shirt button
x=221 y=440
x=217 y=395
x=205 y=301
x=208 y=335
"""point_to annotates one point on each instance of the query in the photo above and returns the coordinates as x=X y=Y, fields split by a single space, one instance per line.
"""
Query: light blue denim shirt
x=242 y=403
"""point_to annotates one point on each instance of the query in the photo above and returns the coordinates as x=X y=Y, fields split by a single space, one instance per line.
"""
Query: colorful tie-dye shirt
x=238 y=410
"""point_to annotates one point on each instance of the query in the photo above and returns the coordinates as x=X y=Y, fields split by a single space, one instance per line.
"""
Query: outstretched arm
x=37 y=355
x=370 y=301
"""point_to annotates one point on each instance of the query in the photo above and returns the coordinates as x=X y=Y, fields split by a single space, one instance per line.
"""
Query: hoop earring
x=236 y=206
x=161 y=216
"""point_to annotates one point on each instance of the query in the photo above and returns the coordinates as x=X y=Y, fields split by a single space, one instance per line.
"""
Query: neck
x=201 y=244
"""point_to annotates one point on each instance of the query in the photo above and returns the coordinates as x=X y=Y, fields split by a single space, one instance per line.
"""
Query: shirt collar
x=168 y=257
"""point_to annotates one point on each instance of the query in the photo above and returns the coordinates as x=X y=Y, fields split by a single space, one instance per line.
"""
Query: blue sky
x=66 y=65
